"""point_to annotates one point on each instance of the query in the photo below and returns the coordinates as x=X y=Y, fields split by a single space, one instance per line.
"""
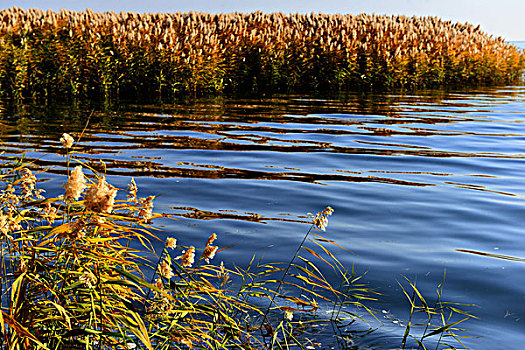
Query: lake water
x=412 y=179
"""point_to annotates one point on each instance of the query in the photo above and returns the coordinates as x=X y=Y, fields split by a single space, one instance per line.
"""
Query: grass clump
x=107 y=54
x=426 y=322
x=74 y=274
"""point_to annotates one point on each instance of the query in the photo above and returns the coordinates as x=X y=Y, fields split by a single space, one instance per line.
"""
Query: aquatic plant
x=165 y=54
x=446 y=328
x=76 y=272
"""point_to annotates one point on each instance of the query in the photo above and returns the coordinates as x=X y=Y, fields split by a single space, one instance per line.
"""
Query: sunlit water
x=412 y=179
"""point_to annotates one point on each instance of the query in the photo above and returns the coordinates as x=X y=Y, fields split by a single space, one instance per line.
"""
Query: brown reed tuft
x=4 y=226
x=100 y=197
x=211 y=239
x=209 y=253
x=28 y=185
x=76 y=53
x=67 y=140
x=188 y=257
x=146 y=208
x=320 y=220
x=171 y=242
x=165 y=270
x=75 y=184
x=132 y=191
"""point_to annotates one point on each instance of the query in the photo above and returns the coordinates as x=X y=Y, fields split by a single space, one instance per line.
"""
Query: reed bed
x=78 y=272
x=166 y=54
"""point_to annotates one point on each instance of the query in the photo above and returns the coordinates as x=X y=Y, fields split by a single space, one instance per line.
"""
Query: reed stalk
x=162 y=55
x=71 y=278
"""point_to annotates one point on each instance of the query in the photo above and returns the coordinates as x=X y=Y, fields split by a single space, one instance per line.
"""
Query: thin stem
x=156 y=268
x=286 y=272
x=407 y=330
x=439 y=302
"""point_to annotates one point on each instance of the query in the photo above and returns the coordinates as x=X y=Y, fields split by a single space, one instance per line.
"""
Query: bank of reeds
x=165 y=54
x=79 y=271
x=76 y=273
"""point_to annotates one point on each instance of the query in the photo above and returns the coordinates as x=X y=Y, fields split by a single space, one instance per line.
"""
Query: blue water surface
x=421 y=184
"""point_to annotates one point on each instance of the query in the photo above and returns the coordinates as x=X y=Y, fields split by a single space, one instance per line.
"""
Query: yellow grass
x=165 y=54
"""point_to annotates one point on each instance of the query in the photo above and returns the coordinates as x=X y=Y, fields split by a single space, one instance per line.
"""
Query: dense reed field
x=80 y=271
x=72 y=278
x=165 y=54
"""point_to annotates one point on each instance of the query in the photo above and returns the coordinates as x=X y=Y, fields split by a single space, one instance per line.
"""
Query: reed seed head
x=28 y=184
x=171 y=242
x=75 y=184
x=159 y=284
x=320 y=221
x=188 y=258
x=50 y=211
x=4 y=225
x=101 y=197
x=211 y=239
x=132 y=191
x=67 y=140
x=223 y=274
x=209 y=253
x=165 y=270
x=288 y=315
x=146 y=208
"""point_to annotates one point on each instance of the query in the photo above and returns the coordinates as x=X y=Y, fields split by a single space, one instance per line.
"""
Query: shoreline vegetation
x=80 y=271
x=165 y=55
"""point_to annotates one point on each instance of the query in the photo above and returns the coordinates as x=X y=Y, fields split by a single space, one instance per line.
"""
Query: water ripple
x=419 y=182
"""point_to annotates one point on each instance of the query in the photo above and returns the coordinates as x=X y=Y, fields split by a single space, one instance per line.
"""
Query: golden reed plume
x=76 y=52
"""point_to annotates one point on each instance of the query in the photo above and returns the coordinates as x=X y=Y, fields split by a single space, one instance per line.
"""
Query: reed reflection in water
x=413 y=179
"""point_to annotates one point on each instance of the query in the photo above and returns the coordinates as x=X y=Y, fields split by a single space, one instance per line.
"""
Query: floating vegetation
x=107 y=54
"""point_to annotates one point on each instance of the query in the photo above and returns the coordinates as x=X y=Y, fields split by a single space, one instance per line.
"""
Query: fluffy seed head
x=171 y=242
x=210 y=240
x=67 y=140
x=159 y=284
x=132 y=191
x=288 y=315
x=321 y=219
x=165 y=270
x=101 y=197
x=146 y=208
x=28 y=185
x=188 y=258
x=75 y=184
x=209 y=253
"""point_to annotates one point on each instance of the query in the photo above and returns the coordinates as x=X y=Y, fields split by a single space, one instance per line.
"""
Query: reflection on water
x=416 y=181
x=492 y=255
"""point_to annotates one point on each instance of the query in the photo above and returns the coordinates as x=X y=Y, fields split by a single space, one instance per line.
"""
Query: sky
x=504 y=18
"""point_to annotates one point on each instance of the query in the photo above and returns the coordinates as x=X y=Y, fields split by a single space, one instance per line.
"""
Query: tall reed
x=164 y=54
x=76 y=272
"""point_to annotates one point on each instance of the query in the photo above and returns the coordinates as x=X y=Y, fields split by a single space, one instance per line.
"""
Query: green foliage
x=71 y=278
x=422 y=325
x=89 y=54
x=76 y=272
